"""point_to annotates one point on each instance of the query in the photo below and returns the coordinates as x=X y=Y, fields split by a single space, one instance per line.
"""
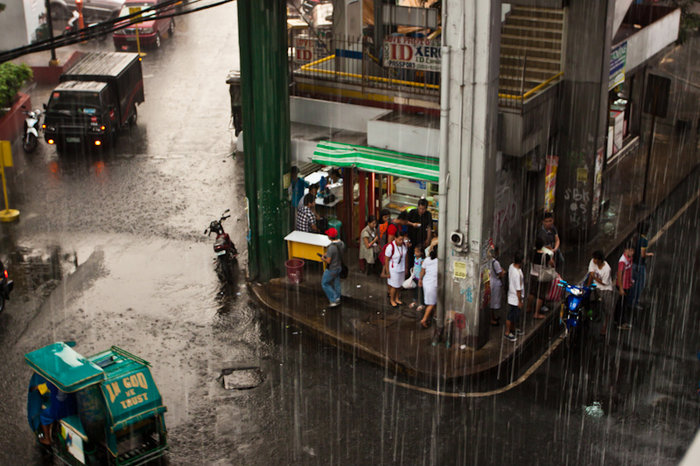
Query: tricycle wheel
x=134 y=117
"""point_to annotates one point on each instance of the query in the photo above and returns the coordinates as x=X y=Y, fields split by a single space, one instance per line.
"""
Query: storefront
x=380 y=179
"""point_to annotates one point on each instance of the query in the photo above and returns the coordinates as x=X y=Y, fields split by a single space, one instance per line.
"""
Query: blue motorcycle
x=577 y=309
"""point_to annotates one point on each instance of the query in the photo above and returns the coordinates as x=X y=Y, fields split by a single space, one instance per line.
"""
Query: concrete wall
x=403 y=138
x=651 y=39
x=333 y=114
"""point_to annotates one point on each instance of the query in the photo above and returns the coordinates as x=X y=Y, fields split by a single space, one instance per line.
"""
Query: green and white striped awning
x=371 y=159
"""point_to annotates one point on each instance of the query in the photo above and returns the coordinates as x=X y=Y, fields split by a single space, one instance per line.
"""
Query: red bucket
x=295 y=270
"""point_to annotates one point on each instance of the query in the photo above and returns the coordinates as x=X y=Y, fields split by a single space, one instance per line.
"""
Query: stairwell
x=531 y=45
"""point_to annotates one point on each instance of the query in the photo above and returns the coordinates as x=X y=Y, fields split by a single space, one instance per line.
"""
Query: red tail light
x=6 y=275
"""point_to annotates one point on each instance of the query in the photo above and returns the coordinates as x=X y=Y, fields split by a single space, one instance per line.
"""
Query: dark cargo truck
x=94 y=99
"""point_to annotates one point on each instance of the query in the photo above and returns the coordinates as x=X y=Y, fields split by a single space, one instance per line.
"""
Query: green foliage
x=11 y=79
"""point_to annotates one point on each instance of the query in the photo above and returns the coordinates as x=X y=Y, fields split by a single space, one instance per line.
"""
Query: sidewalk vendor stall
x=385 y=179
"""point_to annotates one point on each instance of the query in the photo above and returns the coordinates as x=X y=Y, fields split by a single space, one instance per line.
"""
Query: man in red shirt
x=624 y=286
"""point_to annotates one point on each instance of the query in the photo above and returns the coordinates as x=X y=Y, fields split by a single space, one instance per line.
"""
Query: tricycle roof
x=64 y=367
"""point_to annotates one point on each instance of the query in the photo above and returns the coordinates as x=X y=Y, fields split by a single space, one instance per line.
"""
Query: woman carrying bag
x=369 y=245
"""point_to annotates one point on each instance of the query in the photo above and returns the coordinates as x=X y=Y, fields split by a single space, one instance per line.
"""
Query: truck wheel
x=171 y=27
x=2 y=303
x=157 y=43
x=133 y=118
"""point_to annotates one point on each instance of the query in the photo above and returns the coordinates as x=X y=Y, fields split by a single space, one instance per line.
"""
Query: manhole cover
x=242 y=379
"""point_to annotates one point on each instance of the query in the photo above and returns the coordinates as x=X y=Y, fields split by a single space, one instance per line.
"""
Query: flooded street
x=110 y=250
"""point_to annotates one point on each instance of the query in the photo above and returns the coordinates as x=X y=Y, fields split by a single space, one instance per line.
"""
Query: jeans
x=331 y=284
x=639 y=274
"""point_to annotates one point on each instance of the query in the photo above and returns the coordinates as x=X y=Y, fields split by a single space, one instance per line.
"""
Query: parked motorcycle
x=30 y=137
x=225 y=250
x=6 y=286
x=577 y=309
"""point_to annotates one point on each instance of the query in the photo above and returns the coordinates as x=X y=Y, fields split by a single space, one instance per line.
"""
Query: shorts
x=538 y=288
x=513 y=314
x=396 y=278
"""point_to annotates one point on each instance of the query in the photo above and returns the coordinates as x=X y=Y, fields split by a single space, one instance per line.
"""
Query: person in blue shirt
x=296 y=187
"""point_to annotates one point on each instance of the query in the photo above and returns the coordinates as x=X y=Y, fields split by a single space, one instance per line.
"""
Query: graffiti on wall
x=578 y=201
x=505 y=215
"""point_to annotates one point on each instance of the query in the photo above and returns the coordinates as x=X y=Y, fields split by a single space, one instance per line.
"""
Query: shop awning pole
x=442 y=184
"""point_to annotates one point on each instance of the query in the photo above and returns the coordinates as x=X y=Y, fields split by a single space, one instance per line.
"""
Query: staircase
x=531 y=45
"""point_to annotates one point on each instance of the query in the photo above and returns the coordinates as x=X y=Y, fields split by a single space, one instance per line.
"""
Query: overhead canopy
x=371 y=159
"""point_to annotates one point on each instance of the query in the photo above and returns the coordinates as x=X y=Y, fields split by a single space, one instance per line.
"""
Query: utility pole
x=49 y=21
x=262 y=31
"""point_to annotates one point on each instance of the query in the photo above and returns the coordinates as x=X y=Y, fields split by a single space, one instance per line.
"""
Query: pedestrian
x=297 y=186
x=542 y=259
x=429 y=284
x=395 y=268
x=639 y=270
x=330 y=282
x=624 y=287
x=515 y=298
x=383 y=227
x=496 y=274
x=415 y=276
x=369 y=245
x=420 y=227
x=599 y=271
x=306 y=219
x=313 y=190
x=550 y=238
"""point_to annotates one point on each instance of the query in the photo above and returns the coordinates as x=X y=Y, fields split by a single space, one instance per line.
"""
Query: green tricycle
x=103 y=409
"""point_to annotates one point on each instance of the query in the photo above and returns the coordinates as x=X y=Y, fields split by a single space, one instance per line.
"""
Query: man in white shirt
x=599 y=271
x=515 y=297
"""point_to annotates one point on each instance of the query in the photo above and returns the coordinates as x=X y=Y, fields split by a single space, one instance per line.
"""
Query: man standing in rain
x=331 y=276
x=550 y=238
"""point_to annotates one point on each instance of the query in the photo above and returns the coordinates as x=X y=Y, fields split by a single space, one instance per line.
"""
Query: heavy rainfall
x=114 y=246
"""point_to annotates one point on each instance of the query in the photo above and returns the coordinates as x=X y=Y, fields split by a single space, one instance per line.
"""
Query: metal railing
x=354 y=61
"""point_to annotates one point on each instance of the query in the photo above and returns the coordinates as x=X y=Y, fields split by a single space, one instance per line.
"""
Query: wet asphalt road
x=110 y=250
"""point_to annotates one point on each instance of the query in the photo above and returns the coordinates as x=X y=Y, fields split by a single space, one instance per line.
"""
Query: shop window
x=624 y=121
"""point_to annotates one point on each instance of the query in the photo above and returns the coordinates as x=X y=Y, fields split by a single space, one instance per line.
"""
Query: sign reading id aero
x=412 y=53
x=130 y=391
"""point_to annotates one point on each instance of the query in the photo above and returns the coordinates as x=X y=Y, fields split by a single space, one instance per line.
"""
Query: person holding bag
x=395 y=267
x=541 y=275
x=429 y=281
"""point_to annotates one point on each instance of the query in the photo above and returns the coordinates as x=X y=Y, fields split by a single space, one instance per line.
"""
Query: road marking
x=498 y=391
x=673 y=220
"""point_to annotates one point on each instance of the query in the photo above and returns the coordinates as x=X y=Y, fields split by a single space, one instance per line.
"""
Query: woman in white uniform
x=395 y=267
x=428 y=280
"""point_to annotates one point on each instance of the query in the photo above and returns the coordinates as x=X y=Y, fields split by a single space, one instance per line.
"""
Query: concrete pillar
x=472 y=34
x=584 y=113
x=262 y=32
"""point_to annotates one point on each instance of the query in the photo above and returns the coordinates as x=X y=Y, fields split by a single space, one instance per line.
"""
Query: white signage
x=412 y=53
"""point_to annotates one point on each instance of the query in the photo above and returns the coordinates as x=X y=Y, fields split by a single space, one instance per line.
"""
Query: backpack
x=382 y=253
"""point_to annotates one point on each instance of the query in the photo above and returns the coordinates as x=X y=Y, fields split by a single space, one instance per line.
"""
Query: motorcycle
x=576 y=310
x=30 y=138
x=73 y=26
x=6 y=286
x=225 y=250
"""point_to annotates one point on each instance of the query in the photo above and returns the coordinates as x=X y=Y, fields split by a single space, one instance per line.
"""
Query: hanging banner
x=618 y=63
x=412 y=53
x=550 y=182
x=597 y=184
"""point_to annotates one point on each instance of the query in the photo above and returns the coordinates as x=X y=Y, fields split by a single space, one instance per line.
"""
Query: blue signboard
x=618 y=63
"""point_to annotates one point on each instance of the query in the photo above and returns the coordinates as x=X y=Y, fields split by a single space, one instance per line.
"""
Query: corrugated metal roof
x=102 y=64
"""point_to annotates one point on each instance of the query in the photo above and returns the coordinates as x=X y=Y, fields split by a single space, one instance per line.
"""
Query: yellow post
x=133 y=10
x=7 y=215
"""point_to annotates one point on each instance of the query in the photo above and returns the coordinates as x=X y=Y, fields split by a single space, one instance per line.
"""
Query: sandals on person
x=496 y=321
